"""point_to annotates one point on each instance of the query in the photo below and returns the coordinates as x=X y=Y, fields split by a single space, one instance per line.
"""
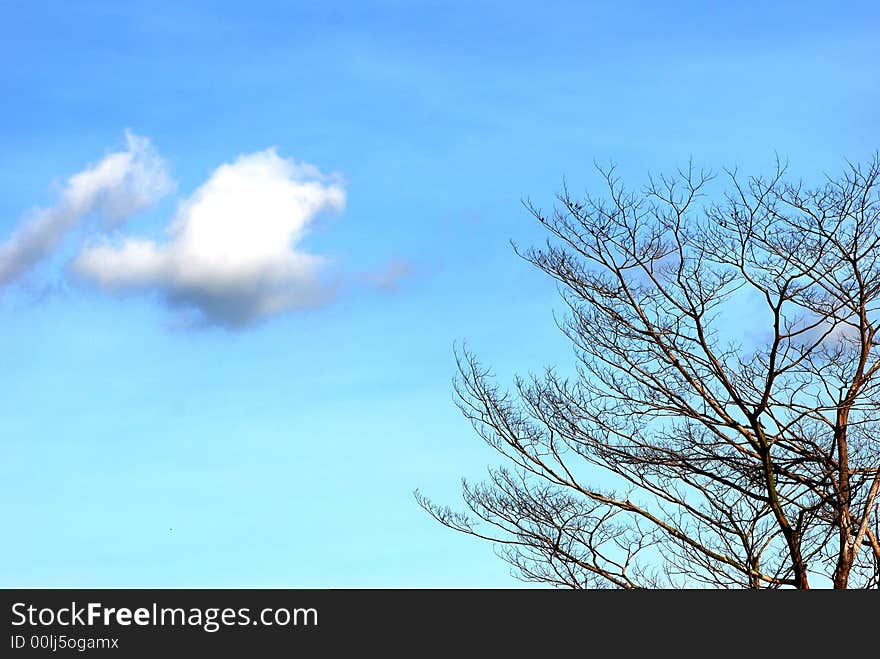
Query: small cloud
x=232 y=255
x=388 y=279
x=122 y=184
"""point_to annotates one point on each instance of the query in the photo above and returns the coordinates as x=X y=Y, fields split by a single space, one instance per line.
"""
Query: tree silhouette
x=683 y=450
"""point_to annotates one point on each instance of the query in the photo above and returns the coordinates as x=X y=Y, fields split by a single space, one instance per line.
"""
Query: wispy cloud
x=122 y=184
x=389 y=277
x=231 y=254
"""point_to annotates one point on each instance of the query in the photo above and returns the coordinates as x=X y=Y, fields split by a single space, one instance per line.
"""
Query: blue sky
x=168 y=422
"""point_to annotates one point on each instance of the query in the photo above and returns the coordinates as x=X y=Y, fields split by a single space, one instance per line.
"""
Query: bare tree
x=721 y=426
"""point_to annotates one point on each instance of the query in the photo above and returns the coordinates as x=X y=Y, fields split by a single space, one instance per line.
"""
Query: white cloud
x=122 y=184
x=231 y=253
x=390 y=276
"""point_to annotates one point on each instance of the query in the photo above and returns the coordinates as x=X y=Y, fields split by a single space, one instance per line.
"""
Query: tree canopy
x=721 y=422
